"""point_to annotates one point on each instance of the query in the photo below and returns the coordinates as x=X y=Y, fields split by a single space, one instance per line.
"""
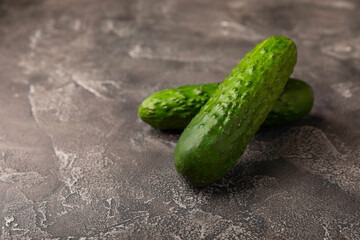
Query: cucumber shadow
x=247 y=179
x=169 y=137
x=261 y=160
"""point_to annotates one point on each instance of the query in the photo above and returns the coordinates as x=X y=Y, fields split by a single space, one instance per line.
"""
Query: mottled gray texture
x=76 y=160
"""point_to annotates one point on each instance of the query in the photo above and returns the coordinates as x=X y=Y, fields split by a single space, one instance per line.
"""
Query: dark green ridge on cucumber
x=217 y=136
x=174 y=108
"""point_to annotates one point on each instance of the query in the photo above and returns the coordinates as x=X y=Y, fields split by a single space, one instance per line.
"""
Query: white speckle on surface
x=76 y=25
x=347 y=49
x=224 y=23
x=70 y=175
x=140 y=52
x=122 y=30
x=9 y=220
x=180 y=204
x=98 y=88
x=175 y=236
x=42 y=210
x=326 y=233
x=107 y=26
x=237 y=30
x=343 y=4
x=336 y=4
x=344 y=89
x=34 y=39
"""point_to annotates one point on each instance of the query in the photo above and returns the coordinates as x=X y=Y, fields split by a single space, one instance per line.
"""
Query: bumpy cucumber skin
x=174 y=108
x=163 y=111
x=294 y=103
x=218 y=135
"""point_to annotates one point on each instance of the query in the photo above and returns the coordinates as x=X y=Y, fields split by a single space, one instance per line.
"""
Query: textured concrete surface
x=76 y=161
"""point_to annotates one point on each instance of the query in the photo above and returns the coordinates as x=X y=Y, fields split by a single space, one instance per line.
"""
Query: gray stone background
x=76 y=162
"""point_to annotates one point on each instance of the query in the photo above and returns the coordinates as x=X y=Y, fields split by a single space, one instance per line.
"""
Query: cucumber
x=174 y=108
x=217 y=136
x=294 y=103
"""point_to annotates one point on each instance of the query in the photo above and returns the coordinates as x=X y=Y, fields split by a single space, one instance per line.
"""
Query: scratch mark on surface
x=326 y=232
x=346 y=49
x=150 y=200
x=139 y=51
x=98 y=88
x=9 y=220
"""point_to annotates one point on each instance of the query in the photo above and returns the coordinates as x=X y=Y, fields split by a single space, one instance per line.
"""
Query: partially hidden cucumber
x=174 y=108
x=217 y=136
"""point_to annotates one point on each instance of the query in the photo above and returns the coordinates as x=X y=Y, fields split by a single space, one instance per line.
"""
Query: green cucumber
x=217 y=136
x=294 y=103
x=174 y=108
